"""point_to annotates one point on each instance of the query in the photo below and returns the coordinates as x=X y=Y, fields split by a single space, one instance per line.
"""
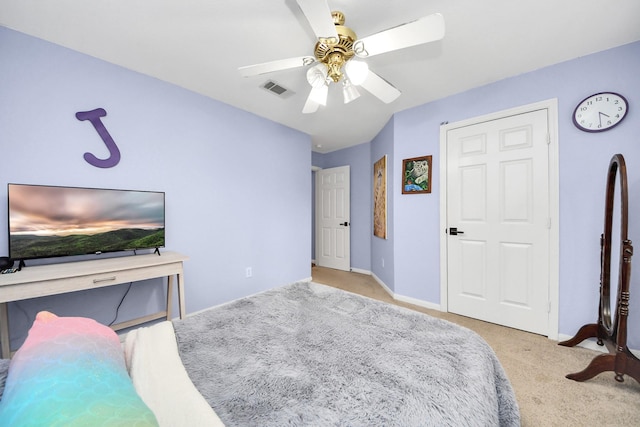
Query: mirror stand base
x=608 y=331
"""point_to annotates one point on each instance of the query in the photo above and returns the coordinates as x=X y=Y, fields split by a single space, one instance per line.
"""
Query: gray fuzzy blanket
x=311 y=355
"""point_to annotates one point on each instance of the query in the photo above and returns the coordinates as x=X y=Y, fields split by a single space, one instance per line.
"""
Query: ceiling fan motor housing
x=335 y=54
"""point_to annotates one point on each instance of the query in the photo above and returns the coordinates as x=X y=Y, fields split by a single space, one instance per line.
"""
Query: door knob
x=344 y=223
x=454 y=231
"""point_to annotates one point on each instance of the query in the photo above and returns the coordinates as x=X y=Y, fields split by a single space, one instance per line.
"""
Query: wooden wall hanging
x=609 y=331
x=114 y=152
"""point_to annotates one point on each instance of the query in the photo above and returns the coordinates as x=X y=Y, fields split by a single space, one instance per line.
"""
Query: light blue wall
x=213 y=161
x=382 y=250
x=228 y=207
x=583 y=162
x=416 y=225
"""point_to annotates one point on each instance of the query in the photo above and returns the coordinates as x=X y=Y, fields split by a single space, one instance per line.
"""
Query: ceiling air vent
x=278 y=90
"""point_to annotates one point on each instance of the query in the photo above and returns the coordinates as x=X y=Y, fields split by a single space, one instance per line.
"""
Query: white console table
x=54 y=279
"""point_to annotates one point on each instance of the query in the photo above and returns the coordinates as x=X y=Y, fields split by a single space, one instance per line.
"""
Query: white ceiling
x=199 y=45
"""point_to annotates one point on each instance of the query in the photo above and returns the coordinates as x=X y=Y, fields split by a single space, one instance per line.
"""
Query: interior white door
x=333 y=237
x=498 y=200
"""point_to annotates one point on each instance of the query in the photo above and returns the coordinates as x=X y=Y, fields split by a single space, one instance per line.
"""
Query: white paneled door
x=498 y=221
x=333 y=237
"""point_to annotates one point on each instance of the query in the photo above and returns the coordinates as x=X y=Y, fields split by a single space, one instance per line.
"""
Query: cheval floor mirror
x=612 y=331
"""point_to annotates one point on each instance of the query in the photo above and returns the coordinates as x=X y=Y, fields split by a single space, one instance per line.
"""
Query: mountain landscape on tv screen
x=32 y=246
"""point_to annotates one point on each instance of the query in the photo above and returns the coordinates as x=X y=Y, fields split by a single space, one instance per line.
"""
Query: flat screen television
x=52 y=221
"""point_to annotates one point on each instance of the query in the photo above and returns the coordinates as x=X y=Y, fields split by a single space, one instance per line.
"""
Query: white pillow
x=155 y=367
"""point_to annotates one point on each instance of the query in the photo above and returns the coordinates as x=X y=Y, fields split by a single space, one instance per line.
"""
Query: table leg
x=5 y=345
x=169 y=296
x=181 y=295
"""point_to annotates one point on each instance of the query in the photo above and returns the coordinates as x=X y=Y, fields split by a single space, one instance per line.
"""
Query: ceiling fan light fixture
x=317 y=75
x=349 y=92
x=357 y=71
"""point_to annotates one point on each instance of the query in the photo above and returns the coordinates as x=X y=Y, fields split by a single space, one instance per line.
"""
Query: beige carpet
x=535 y=365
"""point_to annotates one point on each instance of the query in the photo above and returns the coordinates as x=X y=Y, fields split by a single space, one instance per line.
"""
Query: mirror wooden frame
x=609 y=331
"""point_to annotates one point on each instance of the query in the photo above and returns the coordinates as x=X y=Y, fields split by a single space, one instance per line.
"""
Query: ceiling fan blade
x=318 y=14
x=380 y=88
x=316 y=98
x=310 y=107
x=424 y=30
x=279 y=65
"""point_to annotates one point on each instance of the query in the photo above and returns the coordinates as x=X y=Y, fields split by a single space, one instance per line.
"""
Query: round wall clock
x=600 y=112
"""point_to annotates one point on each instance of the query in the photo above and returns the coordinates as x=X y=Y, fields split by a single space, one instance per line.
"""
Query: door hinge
x=549 y=223
x=548 y=139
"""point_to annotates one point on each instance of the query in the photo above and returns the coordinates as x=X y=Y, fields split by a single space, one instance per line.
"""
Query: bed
x=303 y=354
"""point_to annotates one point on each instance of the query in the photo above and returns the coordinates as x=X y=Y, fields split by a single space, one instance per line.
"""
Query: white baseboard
x=384 y=285
x=418 y=302
x=402 y=298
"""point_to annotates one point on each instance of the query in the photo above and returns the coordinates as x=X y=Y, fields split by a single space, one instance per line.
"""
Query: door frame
x=551 y=105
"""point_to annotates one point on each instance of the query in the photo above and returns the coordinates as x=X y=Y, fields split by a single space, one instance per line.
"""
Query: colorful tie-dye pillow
x=71 y=372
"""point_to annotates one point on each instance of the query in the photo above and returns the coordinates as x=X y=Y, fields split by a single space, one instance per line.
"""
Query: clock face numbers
x=600 y=112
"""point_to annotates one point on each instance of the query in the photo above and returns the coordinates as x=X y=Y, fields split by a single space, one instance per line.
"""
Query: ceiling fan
x=336 y=47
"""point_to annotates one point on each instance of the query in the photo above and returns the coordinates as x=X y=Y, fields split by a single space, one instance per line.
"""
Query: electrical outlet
x=382 y=262
x=249 y=272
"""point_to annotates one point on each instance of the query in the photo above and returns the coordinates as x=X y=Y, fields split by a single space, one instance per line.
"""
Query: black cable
x=120 y=304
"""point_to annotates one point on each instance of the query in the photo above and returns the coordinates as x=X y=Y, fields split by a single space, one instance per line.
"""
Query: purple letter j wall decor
x=94 y=117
